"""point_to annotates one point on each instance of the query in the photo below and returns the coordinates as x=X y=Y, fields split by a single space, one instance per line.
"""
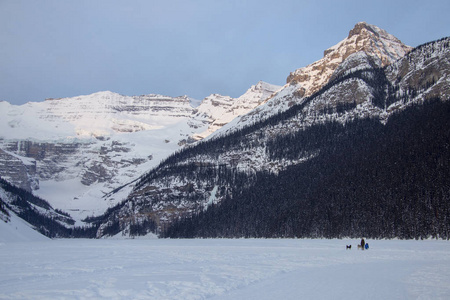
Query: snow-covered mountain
x=230 y=161
x=367 y=46
x=86 y=154
x=375 y=42
x=74 y=151
x=219 y=110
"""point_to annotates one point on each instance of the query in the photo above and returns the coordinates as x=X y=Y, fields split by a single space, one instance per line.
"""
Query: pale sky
x=61 y=48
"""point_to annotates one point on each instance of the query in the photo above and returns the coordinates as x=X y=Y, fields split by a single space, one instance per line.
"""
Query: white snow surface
x=224 y=269
x=17 y=230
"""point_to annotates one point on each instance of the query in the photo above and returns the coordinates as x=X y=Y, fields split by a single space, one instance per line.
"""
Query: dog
x=348 y=246
x=360 y=247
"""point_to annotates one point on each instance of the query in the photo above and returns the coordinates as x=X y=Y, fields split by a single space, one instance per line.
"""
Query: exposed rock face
x=382 y=47
x=41 y=150
x=20 y=172
x=433 y=60
x=49 y=158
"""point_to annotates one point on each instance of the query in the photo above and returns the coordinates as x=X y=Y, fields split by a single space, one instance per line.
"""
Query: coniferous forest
x=369 y=179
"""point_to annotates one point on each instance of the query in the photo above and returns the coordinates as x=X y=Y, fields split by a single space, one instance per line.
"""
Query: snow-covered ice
x=224 y=269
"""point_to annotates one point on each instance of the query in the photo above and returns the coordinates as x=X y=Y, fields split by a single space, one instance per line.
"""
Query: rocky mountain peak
x=263 y=86
x=383 y=47
x=361 y=27
x=218 y=110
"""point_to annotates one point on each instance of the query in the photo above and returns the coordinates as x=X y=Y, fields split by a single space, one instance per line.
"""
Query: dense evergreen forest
x=368 y=179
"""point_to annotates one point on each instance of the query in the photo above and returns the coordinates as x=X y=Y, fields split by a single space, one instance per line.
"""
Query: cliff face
x=382 y=47
x=18 y=170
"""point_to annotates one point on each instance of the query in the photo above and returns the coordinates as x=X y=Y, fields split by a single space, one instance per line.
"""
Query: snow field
x=224 y=269
x=16 y=230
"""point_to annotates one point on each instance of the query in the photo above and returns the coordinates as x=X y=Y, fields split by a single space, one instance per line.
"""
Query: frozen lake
x=224 y=269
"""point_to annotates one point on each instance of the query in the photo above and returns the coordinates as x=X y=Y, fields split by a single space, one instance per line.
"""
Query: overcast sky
x=53 y=49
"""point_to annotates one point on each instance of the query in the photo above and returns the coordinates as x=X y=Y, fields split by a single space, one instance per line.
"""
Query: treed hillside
x=368 y=179
x=359 y=151
x=39 y=213
x=367 y=155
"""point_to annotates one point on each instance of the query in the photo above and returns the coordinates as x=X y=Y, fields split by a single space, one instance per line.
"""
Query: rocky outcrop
x=433 y=61
x=217 y=110
x=50 y=159
x=382 y=47
x=18 y=171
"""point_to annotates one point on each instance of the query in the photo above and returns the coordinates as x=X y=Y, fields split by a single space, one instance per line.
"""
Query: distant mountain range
x=73 y=151
x=322 y=156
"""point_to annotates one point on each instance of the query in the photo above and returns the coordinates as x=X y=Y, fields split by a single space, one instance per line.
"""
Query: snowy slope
x=75 y=151
x=17 y=230
x=96 y=115
x=84 y=147
x=221 y=111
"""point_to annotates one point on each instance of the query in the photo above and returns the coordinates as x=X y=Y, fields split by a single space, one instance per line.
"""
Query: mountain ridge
x=371 y=39
x=86 y=146
x=223 y=145
x=373 y=45
x=194 y=179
